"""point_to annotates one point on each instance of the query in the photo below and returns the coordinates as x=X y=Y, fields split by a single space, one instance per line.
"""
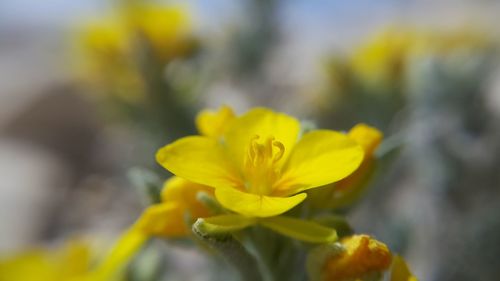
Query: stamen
x=281 y=151
x=261 y=170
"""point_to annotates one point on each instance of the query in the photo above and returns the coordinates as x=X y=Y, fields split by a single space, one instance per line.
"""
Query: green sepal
x=223 y=224
x=303 y=230
x=210 y=202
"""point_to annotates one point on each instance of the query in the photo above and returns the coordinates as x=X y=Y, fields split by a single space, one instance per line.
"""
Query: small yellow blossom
x=261 y=167
x=167 y=219
x=362 y=256
x=347 y=190
x=369 y=138
x=167 y=29
x=179 y=196
x=383 y=58
x=105 y=57
x=214 y=123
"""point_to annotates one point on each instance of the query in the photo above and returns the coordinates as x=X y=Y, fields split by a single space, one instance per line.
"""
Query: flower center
x=260 y=165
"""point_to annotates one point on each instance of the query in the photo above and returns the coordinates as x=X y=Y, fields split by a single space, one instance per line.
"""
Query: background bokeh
x=81 y=115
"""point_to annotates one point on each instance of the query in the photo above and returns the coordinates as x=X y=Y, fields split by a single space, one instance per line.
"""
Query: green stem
x=233 y=252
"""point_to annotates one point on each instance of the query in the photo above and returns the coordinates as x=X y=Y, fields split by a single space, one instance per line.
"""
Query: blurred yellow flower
x=73 y=262
x=361 y=256
x=369 y=138
x=166 y=29
x=168 y=219
x=107 y=38
x=105 y=58
x=260 y=167
x=384 y=58
x=64 y=264
x=112 y=50
x=214 y=123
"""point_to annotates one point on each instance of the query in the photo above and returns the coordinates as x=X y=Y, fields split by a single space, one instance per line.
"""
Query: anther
x=281 y=150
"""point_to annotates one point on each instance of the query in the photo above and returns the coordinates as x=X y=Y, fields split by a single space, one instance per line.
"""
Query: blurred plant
x=431 y=86
x=247 y=199
x=42 y=264
x=372 y=83
x=77 y=260
x=141 y=60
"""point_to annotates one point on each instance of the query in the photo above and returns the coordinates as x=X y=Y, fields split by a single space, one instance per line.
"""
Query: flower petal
x=253 y=205
x=165 y=219
x=113 y=264
x=362 y=256
x=368 y=137
x=308 y=231
x=199 y=159
x=264 y=123
x=319 y=158
x=184 y=192
x=400 y=270
x=214 y=123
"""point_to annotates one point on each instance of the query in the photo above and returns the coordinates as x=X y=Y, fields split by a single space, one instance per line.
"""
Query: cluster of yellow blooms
x=257 y=166
x=113 y=49
x=383 y=59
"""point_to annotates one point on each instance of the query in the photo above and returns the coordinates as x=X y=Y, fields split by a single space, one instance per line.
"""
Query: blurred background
x=90 y=89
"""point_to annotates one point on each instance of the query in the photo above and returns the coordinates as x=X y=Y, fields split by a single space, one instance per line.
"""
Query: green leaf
x=303 y=230
x=223 y=224
x=210 y=202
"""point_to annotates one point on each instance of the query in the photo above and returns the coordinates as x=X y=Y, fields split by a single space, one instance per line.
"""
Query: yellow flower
x=167 y=219
x=261 y=167
x=361 y=256
x=167 y=29
x=346 y=191
x=76 y=261
x=214 y=123
x=383 y=58
x=179 y=196
x=108 y=48
x=369 y=138
x=104 y=56
x=44 y=265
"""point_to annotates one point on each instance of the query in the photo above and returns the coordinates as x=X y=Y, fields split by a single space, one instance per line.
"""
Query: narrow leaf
x=300 y=229
x=223 y=224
